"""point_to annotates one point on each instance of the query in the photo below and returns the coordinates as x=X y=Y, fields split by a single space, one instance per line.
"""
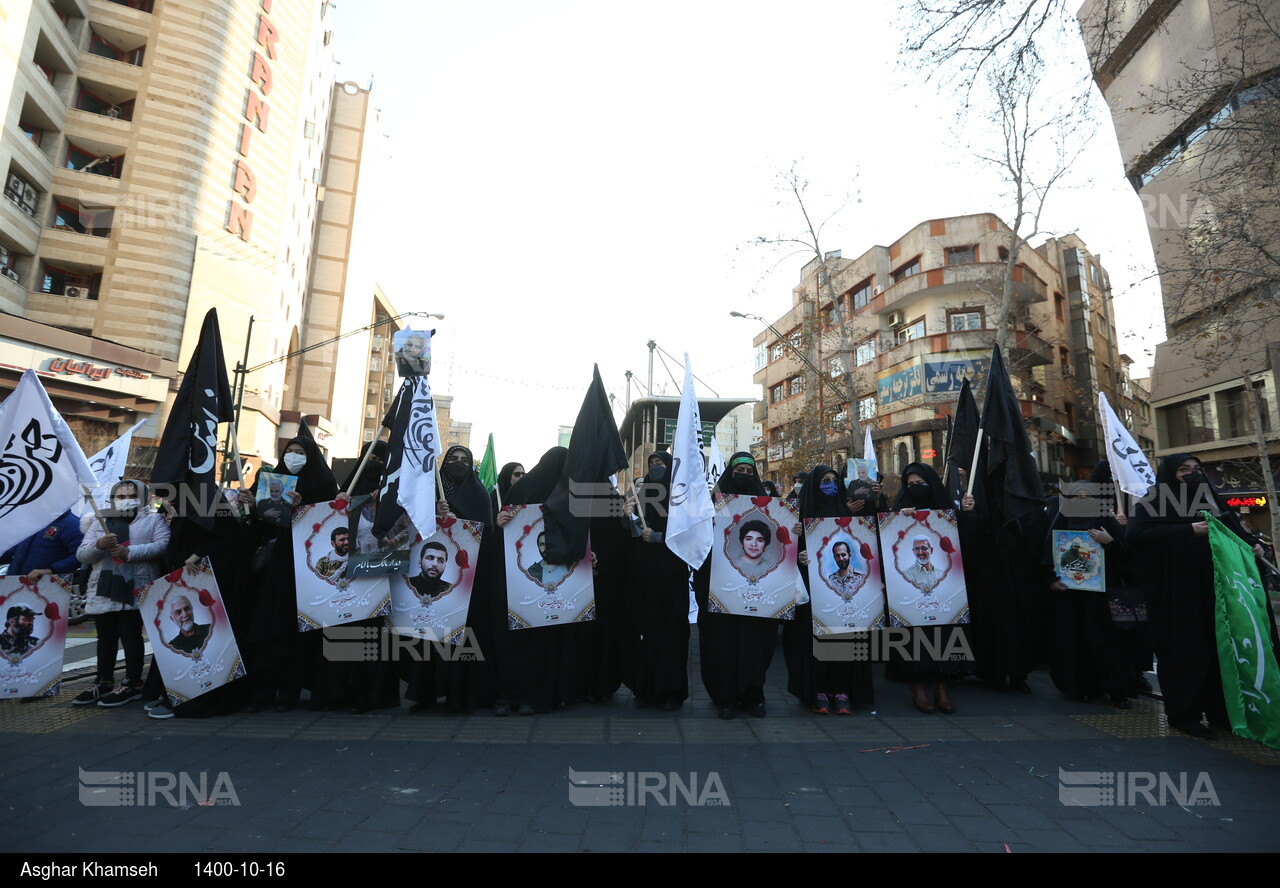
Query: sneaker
x=820 y=705
x=126 y=693
x=90 y=695
x=152 y=704
x=842 y=705
x=160 y=710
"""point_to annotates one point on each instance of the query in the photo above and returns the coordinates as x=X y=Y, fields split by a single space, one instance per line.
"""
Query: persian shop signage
x=17 y=356
x=257 y=113
x=1249 y=502
x=95 y=372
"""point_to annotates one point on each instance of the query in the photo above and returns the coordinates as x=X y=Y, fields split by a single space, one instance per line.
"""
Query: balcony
x=61 y=39
x=106 y=71
x=955 y=280
x=68 y=248
x=116 y=45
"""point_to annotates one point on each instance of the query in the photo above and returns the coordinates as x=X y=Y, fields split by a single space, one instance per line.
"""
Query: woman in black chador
x=509 y=474
x=657 y=612
x=1170 y=542
x=466 y=684
x=823 y=684
x=1098 y=638
x=925 y=663
x=735 y=650
x=285 y=659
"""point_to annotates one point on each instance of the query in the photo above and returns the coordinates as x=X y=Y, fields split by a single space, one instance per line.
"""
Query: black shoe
x=755 y=709
x=501 y=709
x=728 y=712
x=1195 y=729
x=524 y=709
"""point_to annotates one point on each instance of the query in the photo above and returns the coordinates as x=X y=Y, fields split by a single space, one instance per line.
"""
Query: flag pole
x=102 y=522
x=364 y=460
x=973 y=469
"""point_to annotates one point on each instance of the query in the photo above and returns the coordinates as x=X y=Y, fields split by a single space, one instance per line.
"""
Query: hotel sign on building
x=257 y=114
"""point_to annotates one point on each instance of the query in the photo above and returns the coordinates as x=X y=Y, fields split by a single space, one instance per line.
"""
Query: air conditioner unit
x=876 y=291
x=76 y=292
x=1068 y=370
x=895 y=319
x=12 y=275
x=16 y=185
x=29 y=199
x=114 y=112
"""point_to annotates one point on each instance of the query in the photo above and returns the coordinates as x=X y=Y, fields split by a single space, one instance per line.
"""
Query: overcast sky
x=584 y=177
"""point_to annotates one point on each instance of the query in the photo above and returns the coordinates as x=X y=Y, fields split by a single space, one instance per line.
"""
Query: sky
x=586 y=177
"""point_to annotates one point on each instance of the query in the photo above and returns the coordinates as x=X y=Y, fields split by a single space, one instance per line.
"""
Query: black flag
x=188 y=451
x=960 y=440
x=397 y=421
x=595 y=453
x=1019 y=491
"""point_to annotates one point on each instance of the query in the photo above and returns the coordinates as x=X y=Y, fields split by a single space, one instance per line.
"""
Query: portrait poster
x=34 y=636
x=273 y=505
x=845 y=588
x=861 y=472
x=372 y=555
x=190 y=635
x=326 y=596
x=923 y=570
x=753 y=558
x=413 y=352
x=541 y=594
x=432 y=599
x=1079 y=560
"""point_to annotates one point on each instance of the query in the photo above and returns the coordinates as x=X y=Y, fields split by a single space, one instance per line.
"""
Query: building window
x=79 y=159
x=796 y=339
x=835 y=366
x=762 y=356
x=865 y=352
x=961 y=255
x=959 y=321
x=861 y=294
x=82 y=221
x=775 y=351
x=33 y=133
x=777 y=393
x=1190 y=422
x=797 y=385
x=1071 y=415
x=61 y=282
x=905 y=271
x=914 y=330
x=1003 y=253
x=866 y=408
x=1237 y=415
x=1059 y=303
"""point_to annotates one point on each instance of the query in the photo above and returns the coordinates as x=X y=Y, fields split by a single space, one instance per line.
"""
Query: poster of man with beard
x=923 y=568
x=34 y=635
x=431 y=601
x=191 y=638
x=326 y=596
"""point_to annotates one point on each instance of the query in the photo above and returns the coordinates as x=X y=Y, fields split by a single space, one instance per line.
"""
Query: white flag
x=109 y=465
x=42 y=466
x=417 y=471
x=869 y=454
x=715 y=465
x=689 y=521
x=1129 y=468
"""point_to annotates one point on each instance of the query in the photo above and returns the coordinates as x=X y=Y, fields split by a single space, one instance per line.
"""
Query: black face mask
x=919 y=495
x=1195 y=479
x=741 y=483
x=455 y=471
x=657 y=472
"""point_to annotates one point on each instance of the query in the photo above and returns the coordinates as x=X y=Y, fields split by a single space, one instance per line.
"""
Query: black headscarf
x=466 y=496
x=504 y=479
x=655 y=509
x=770 y=488
x=1175 y=502
x=750 y=486
x=536 y=486
x=316 y=483
x=816 y=504
x=938 y=498
x=371 y=478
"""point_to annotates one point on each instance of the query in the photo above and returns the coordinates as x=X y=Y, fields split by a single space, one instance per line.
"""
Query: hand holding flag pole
x=88 y=495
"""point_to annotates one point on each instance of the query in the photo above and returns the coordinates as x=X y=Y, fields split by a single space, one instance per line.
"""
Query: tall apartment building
x=917 y=322
x=161 y=157
x=1194 y=92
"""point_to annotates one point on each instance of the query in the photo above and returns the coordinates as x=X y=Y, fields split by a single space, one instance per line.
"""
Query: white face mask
x=294 y=461
x=126 y=505
x=797 y=487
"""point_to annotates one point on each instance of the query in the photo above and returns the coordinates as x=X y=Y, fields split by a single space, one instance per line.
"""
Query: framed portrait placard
x=34 y=636
x=326 y=596
x=432 y=599
x=372 y=555
x=273 y=505
x=1079 y=560
x=541 y=594
x=190 y=635
x=413 y=352
x=844 y=575
x=753 y=558
x=923 y=568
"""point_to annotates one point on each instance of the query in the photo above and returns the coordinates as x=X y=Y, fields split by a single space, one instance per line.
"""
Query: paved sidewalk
x=985 y=779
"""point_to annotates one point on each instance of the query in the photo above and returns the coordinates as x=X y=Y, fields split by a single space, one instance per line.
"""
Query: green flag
x=489 y=467
x=1250 y=679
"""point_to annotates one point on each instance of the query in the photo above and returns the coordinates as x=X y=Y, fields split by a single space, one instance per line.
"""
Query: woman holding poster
x=824 y=685
x=923 y=489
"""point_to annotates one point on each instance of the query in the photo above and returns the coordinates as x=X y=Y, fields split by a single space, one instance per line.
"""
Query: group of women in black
x=1158 y=598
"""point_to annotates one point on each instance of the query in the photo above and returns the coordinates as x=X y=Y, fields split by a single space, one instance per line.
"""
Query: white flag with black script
x=418 y=437
x=689 y=524
x=1129 y=468
x=108 y=465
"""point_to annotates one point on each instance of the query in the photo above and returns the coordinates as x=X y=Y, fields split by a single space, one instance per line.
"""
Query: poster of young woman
x=753 y=558
x=432 y=599
x=34 y=636
x=539 y=593
x=190 y=636
x=923 y=570
x=326 y=596
x=844 y=575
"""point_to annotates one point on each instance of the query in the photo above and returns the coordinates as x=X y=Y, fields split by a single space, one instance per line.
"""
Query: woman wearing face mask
x=823 y=684
x=735 y=650
x=658 y=599
x=284 y=660
x=125 y=557
x=1170 y=541
x=918 y=666
x=510 y=474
